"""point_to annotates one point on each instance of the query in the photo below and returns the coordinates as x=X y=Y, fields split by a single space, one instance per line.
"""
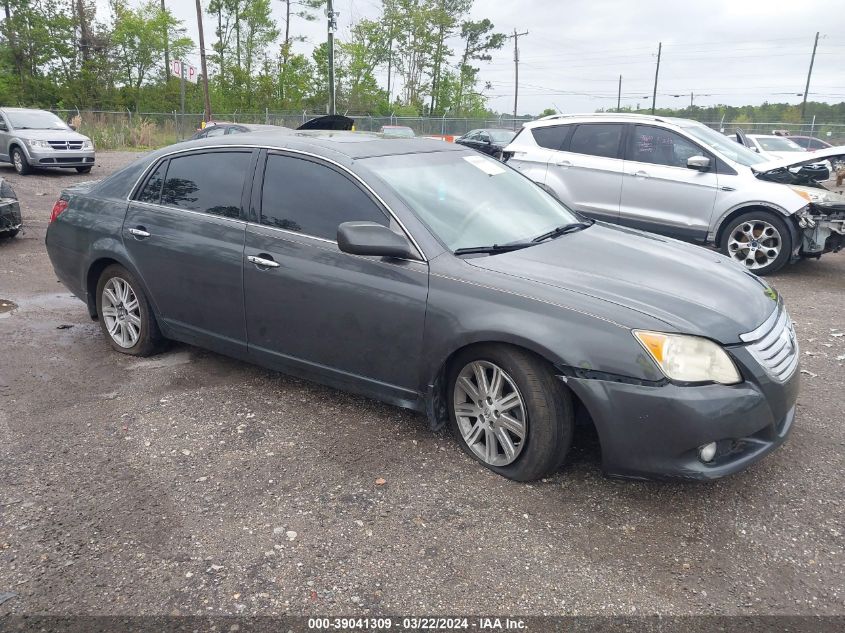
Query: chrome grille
x=65 y=144
x=775 y=346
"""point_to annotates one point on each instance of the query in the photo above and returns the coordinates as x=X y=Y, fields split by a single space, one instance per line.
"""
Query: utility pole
x=516 y=37
x=691 y=99
x=166 y=49
x=332 y=25
x=202 y=64
x=656 y=73
x=809 y=74
x=619 y=96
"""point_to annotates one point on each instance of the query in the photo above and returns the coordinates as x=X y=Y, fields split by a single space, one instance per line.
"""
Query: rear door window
x=659 y=147
x=210 y=182
x=597 y=139
x=308 y=197
x=152 y=189
x=551 y=137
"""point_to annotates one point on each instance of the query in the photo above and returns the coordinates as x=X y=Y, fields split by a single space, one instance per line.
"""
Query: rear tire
x=759 y=240
x=20 y=162
x=125 y=315
x=10 y=233
x=524 y=430
x=83 y=170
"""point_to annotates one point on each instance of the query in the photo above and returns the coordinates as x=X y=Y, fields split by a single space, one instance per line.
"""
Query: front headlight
x=87 y=144
x=818 y=196
x=39 y=144
x=689 y=358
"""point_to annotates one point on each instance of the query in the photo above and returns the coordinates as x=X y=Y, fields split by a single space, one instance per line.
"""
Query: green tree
x=138 y=40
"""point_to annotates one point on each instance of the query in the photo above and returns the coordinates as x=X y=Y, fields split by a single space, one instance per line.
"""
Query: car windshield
x=723 y=145
x=35 y=120
x=778 y=144
x=469 y=200
x=501 y=136
x=400 y=132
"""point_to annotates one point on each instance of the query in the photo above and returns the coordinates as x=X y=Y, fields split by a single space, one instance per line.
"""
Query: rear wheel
x=20 y=162
x=126 y=317
x=508 y=411
x=759 y=240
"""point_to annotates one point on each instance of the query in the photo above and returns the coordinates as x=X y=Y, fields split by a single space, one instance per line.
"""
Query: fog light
x=706 y=452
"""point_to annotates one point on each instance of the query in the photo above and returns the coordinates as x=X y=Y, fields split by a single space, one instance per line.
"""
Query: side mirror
x=699 y=163
x=370 y=238
x=72 y=126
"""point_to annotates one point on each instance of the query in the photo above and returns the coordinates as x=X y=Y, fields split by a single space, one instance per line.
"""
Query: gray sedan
x=434 y=278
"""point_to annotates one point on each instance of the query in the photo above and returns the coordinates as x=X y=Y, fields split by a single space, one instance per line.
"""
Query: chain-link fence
x=115 y=129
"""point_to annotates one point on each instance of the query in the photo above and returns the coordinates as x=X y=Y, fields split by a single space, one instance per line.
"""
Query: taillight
x=58 y=208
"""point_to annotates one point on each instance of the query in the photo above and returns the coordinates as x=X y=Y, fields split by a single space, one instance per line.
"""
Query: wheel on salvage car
x=20 y=162
x=759 y=240
x=508 y=411
x=125 y=314
x=83 y=170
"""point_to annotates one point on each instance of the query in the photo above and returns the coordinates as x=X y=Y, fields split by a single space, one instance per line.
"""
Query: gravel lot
x=190 y=483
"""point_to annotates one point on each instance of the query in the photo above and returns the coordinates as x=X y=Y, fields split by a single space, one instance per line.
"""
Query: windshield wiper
x=563 y=230
x=494 y=248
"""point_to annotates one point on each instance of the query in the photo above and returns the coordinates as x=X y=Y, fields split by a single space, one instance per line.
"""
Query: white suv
x=682 y=179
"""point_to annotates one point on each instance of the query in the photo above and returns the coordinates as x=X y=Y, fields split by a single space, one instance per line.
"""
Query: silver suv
x=37 y=138
x=682 y=179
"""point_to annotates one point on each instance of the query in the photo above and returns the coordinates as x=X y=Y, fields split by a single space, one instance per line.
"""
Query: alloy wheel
x=18 y=160
x=121 y=312
x=755 y=244
x=490 y=413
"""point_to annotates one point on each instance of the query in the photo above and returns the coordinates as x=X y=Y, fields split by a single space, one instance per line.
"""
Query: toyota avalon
x=435 y=278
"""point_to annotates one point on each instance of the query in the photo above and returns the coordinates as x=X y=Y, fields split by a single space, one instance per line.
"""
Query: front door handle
x=563 y=163
x=263 y=262
x=139 y=232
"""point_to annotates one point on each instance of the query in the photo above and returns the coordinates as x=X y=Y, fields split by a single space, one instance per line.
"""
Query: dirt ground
x=190 y=483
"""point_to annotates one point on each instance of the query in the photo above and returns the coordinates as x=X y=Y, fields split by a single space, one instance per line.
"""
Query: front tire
x=83 y=170
x=759 y=240
x=126 y=317
x=20 y=162
x=507 y=410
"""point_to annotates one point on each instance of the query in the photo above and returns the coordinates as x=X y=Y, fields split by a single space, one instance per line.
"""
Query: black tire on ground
x=83 y=170
x=150 y=341
x=548 y=404
x=773 y=220
x=21 y=166
x=10 y=233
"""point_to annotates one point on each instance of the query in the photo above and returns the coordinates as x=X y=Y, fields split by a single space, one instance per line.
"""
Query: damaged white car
x=680 y=178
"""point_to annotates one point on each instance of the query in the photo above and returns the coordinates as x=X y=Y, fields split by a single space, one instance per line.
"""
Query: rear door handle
x=263 y=262
x=563 y=163
x=640 y=174
x=139 y=232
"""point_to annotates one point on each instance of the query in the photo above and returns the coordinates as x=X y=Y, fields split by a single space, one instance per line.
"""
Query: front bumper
x=654 y=432
x=61 y=158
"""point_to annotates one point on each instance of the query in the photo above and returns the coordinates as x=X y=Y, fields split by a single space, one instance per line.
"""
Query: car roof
x=5 y=109
x=608 y=117
x=328 y=143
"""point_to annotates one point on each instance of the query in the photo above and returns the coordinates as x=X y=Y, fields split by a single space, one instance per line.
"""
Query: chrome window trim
x=192 y=211
x=254 y=146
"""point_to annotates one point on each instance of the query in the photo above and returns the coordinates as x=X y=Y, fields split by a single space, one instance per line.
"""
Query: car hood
x=794 y=159
x=691 y=289
x=51 y=135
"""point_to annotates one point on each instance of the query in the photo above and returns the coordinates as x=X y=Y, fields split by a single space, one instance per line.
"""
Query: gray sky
x=725 y=51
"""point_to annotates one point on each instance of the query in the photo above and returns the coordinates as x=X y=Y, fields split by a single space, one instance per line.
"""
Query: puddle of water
x=6 y=307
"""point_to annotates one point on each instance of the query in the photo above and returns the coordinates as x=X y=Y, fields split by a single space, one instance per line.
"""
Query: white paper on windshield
x=487 y=166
